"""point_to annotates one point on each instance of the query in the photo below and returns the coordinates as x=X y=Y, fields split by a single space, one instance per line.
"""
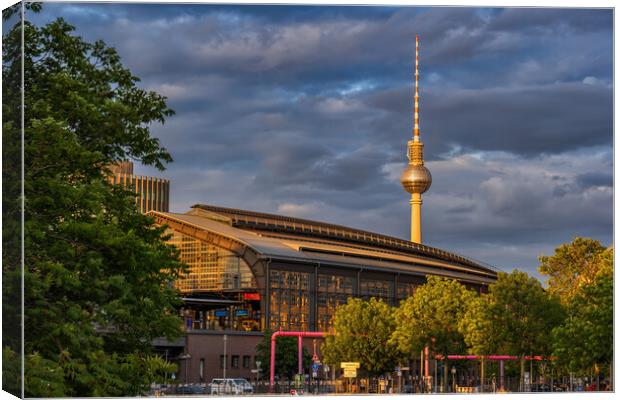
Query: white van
x=231 y=386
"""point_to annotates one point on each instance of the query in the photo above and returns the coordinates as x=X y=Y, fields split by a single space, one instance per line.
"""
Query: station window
x=379 y=289
x=405 y=290
x=234 y=362
x=332 y=291
x=246 y=361
x=211 y=268
x=222 y=361
x=289 y=301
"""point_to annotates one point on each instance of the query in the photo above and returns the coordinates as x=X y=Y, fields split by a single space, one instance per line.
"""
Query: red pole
x=272 y=366
x=272 y=363
x=300 y=368
x=492 y=357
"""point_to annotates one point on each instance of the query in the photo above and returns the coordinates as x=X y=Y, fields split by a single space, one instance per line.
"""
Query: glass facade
x=297 y=300
x=383 y=290
x=289 y=300
x=404 y=290
x=332 y=291
x=210 y=268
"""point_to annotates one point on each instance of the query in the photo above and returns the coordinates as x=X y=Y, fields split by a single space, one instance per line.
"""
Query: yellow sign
x=350 y=369
x=350 y=373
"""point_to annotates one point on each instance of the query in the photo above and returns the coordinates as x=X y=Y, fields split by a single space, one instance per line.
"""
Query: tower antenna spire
x=416 y=96
x=416 y=178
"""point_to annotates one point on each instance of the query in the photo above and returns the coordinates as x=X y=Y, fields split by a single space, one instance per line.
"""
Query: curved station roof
x=260 y=236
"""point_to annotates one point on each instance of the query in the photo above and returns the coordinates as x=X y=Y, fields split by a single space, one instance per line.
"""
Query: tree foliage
x=362 y=332
x=97 y=272
x=15 y=9
x=573 y=265
x=430 y=317
x=585 y=339
x=286 y=356
x=514 y=318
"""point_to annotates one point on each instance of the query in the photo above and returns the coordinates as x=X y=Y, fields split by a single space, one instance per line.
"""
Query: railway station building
x=250 y=272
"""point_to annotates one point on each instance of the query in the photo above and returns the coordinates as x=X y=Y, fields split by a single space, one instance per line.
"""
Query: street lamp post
x=453 y=370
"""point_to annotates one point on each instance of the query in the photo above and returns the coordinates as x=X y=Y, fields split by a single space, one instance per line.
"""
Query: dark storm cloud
x=322 y=169
x=306 y=111
x=315 y=55
x=529 y=121
x=595 y=179
x=524 y=120
x=543 y=19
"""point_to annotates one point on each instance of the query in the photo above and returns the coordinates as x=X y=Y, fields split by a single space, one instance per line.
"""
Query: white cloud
x=299 y=210
x=393 y=171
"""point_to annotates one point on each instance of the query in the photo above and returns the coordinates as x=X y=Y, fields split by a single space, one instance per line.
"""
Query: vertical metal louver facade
x=153 y=194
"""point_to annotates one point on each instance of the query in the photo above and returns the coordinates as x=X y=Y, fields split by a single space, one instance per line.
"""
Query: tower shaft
x=416 y=217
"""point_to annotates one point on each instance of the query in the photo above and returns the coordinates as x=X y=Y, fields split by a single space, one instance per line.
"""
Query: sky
x=306 y=111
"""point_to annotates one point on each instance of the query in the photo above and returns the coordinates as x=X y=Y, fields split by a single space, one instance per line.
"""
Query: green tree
x=431 y=316
x=97 y=273
x=286 y=356
x=573 y=265
x=585 y=339
x=514 y=318
x=362 y=332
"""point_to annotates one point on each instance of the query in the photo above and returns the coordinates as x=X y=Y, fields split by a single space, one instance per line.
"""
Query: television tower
x=416 y=178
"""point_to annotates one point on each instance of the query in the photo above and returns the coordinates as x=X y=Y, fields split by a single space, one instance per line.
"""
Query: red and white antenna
x=416 y=97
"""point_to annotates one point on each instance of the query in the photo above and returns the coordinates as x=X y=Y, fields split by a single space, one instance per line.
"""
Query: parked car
x=245 y=386
x=230 y=386
x=191 y=389
x=560 y=387
x=544 y=387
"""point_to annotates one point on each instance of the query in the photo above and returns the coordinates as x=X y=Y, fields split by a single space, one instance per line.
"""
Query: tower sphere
x=416 y=179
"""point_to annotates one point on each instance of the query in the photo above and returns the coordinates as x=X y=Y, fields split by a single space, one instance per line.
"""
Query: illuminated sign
x=251 y=296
